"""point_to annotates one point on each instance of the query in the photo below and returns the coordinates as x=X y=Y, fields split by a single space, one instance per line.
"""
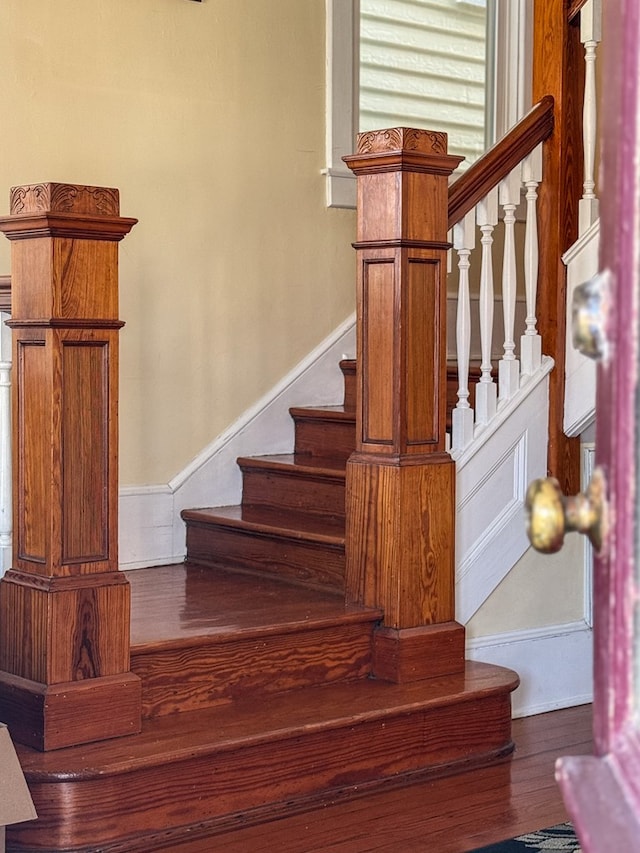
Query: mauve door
x=602 y=792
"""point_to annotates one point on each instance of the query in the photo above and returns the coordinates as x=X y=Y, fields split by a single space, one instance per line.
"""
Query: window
x=423 y=64
x=404 y=50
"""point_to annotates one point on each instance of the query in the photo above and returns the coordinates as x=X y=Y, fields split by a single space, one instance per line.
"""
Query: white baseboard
x=554 y=664
x=151 y=530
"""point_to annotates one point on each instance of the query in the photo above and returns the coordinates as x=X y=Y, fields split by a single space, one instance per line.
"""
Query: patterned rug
x=558 y=838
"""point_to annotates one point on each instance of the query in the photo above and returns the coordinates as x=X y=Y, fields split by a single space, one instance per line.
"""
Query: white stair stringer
x=493 y=473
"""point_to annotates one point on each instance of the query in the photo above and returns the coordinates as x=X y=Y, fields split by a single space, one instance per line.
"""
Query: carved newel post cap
x=402 y=147
x=65 y=210
x=64 y=198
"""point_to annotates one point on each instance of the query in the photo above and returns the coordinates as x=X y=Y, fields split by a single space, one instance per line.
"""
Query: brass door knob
x=550 y=514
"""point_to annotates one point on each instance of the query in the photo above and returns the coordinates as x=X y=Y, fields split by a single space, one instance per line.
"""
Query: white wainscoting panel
x=491 y=487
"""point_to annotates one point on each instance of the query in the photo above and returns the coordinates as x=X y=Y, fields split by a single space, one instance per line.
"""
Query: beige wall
x=209 y=118
x=540 y=590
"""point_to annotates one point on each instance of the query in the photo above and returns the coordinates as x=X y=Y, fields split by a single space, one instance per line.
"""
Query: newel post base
x=400 y=556
x=65 y=674
x=411 y=654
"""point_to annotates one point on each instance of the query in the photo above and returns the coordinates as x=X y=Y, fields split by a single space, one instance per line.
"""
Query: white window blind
x=423 y=64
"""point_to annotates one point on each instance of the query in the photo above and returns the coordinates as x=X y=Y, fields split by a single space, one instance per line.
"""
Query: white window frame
x=509 y=97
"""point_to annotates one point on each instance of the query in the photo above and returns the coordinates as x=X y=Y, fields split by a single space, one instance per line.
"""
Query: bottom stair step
x=196 y=774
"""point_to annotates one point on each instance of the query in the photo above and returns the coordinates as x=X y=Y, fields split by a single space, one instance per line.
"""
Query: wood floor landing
x=257 y=700
x=170 y=603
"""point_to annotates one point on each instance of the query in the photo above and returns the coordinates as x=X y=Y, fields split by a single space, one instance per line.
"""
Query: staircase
x=257 y=690
x=307 y=649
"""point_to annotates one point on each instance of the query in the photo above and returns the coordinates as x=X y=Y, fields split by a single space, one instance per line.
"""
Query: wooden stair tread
x=257 y=519
x=333 y=413
x=247 y=722
x=296 y=463
x=180 y=604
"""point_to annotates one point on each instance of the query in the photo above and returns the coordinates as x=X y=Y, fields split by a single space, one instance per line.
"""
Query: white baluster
x=464 y=238
x=486 y=391
x=590 y=36
x=509 y=366
x=531 y=342
x=5 y=446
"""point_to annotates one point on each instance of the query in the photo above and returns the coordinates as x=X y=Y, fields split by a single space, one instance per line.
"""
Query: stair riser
x=308 y=562
x=214 y=787
x=191 y=679
x=316 y=495
x=325 y=439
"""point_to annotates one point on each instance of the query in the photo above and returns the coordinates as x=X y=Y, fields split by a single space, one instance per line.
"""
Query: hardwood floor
x=453 y=814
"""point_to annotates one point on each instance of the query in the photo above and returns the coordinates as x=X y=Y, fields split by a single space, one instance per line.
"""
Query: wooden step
x=193 y=775
x=298 y=483
x=325 y=432
x=296 y=546
x=202 y=636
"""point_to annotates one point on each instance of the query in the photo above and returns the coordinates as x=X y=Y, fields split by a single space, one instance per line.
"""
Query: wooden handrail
x=574 y=8
x=494 y=166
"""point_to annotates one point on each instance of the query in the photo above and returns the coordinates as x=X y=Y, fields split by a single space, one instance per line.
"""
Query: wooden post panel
x=400 y=480
x=64 y=607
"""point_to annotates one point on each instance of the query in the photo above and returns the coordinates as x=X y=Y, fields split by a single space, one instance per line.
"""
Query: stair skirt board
x=250 y=760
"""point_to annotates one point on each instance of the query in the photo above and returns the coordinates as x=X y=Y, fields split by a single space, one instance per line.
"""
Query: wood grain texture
x=410 y=654
x=89 y=622
x=558 y=70
x=215 y=671
x=297 y=483
x=51 y=717
x=329 y=431
x=256 y=755
x=300 y=547
x=450 y=814
x=202 y=636
x=400 y=535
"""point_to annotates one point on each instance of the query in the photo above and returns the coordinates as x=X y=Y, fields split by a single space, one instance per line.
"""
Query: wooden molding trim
x=47 y=717
x=402 y=655
x=72 y=225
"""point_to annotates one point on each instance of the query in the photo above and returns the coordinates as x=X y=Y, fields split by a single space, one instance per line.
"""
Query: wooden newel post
x=400 y=480
x=64 y=607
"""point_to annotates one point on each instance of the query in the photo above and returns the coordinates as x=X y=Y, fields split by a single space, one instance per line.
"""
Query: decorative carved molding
x=64 y=198
x=402 y=138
